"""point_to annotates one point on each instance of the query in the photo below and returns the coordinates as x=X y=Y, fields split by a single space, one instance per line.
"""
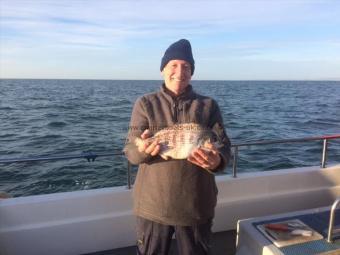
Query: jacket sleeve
x=138 y=123
x=218 y=128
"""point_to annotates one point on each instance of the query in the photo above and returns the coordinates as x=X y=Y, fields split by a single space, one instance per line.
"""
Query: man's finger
x=203 y=154
x=146 y=134
x=193 y=160
x=151 y=147
x=199 y=158
x=156 y=150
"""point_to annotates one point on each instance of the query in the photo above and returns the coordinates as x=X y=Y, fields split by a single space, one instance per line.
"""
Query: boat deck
x=223 y=243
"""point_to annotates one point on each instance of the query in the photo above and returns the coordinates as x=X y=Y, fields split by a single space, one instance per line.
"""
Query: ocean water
x=67 y=117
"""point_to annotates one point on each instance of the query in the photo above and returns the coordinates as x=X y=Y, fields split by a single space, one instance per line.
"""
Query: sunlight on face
x=177 y=75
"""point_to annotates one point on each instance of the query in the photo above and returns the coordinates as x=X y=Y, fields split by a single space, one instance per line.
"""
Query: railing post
x=331 y=220
x=324 y=154
x=128 y=175
x=235 y=161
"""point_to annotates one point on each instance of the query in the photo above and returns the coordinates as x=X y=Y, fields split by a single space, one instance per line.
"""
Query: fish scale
x=178 y=141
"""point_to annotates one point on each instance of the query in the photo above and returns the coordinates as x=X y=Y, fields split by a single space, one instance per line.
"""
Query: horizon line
x=96 y=79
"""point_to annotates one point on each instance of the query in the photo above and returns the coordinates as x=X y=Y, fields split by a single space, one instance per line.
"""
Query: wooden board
x=282 y=239
x=335 y=252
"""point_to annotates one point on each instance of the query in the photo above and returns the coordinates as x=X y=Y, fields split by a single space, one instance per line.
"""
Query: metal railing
x=307 y=139
x=331 y=220
x=88 y=155
x=91 y=156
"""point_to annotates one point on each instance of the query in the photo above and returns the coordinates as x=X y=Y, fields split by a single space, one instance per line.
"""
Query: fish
x=178 y=141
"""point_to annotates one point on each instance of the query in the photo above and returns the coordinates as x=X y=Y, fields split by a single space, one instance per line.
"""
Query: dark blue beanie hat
x=179 y=50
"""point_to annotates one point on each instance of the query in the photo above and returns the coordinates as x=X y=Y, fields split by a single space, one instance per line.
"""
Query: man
x=175 y=196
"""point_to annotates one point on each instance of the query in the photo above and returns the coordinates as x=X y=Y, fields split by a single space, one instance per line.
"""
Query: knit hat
x=179 y=50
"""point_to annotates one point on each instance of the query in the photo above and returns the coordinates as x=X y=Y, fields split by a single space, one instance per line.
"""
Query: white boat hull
x=94 y=220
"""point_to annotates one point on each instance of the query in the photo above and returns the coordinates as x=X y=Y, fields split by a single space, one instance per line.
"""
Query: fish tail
x=218 y=144
x=138 y=141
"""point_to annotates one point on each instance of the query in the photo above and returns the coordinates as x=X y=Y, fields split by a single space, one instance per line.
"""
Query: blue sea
x=67 y=117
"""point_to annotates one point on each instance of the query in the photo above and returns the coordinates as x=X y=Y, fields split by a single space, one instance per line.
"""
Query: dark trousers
x=155 y=238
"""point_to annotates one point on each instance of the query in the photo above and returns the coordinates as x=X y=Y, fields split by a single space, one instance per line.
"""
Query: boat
x=93 y=221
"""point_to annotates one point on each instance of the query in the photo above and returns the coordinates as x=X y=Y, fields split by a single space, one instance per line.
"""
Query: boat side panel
x=89 y=221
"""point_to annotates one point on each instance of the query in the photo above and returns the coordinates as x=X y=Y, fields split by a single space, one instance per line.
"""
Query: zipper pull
x=175 y=111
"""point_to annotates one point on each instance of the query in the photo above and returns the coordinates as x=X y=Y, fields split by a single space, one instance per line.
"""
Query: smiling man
x=175 y=195
x=178 y=66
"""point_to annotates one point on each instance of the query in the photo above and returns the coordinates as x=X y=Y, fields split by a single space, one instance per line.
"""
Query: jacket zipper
x=175 y=111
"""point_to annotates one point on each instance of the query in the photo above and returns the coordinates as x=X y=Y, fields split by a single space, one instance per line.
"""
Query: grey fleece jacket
x=174 y=192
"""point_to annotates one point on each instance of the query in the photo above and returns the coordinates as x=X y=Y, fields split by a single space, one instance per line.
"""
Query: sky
x=231 y=40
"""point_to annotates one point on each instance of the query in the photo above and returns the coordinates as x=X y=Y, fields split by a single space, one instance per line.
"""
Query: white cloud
x=131 y=18
x=126 y=30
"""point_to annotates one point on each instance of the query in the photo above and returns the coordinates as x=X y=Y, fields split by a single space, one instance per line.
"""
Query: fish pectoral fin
x=164 y=157
x=166 y=147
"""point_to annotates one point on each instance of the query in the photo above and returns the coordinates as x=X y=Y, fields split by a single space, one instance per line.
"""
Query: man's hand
x=208 y=158
x=148 y=147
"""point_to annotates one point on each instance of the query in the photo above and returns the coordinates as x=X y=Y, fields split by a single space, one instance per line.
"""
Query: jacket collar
x=188 y=93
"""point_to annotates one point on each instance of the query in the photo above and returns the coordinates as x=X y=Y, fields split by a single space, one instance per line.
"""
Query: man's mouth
x=177 y=79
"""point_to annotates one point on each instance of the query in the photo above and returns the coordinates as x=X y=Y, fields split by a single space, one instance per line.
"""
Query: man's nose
x=180 y=70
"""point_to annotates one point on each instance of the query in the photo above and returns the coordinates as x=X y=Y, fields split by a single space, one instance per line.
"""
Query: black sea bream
x=178 y=141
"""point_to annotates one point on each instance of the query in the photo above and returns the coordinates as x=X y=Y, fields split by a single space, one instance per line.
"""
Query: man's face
x=177 y=75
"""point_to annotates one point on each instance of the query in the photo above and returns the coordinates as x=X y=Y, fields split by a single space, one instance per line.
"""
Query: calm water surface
x=61 y=117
